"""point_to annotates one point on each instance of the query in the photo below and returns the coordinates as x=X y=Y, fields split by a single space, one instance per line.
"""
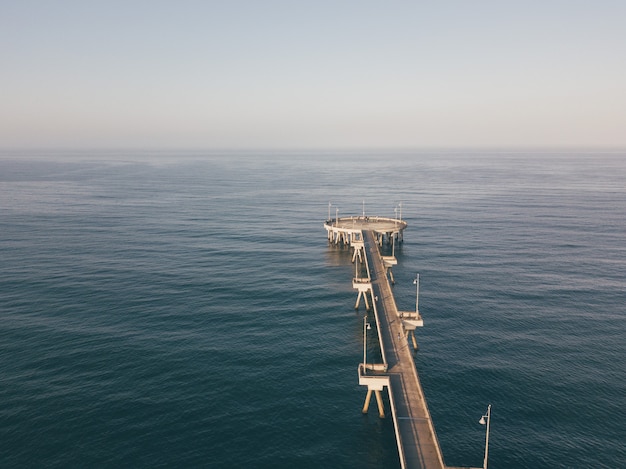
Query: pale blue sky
x=312 y=74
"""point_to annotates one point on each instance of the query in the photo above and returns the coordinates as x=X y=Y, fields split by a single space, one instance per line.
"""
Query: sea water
x=184 y=309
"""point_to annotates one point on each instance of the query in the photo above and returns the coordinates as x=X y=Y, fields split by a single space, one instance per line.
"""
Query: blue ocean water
x=184 y=309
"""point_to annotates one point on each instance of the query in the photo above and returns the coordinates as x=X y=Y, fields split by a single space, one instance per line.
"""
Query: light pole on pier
x=329 y=204
x=416 y=282
x=486 y=419
x=366 y=327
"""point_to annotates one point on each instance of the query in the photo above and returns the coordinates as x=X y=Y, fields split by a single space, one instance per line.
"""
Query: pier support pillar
x=379 y=402
x=415 y=346
x=357 y=254
x=363 y=295
x=366 y=406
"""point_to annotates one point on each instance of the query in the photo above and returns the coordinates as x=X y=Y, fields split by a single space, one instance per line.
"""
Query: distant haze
x=292 y=74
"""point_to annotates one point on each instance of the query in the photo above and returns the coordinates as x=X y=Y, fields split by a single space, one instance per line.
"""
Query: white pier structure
x=416 y=439
x=344 y=230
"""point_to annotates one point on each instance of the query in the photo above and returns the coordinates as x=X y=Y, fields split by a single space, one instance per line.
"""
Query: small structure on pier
x=363 y=286
x=358 y=245
x=412 y=319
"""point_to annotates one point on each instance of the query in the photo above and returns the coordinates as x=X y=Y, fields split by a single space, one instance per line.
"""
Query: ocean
x=184 y=309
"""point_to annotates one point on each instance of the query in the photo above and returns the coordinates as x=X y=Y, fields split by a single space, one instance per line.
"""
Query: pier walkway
x=418 y=447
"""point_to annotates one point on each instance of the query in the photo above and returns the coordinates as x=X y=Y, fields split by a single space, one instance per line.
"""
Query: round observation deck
x=380 y=225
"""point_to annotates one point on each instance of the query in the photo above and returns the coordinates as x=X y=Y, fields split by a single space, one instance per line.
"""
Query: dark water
x=185 y=310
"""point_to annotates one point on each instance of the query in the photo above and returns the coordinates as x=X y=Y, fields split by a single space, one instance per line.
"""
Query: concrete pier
x=416 y=439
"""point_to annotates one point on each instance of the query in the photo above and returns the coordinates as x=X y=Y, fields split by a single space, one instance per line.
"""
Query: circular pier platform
x=376 y=224
x=348 y=229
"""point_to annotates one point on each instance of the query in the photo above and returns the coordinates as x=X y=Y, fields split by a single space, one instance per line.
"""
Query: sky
x=240 y=74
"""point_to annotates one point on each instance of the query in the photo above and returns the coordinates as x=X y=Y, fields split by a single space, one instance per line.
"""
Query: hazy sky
x=310 y=74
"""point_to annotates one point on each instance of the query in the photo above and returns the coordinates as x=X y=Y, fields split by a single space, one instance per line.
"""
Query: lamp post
x=416 y=282
x=486 y=419
x=366 y=327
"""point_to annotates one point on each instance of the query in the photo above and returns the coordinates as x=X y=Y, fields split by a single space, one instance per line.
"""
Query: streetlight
x=366 y=327
x=486 y=419
x=416 y=282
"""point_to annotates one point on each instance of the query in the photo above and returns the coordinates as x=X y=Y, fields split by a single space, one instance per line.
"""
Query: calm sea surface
x=186 y=310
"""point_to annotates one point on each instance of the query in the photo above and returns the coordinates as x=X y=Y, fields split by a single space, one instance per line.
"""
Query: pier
x=416 y=439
